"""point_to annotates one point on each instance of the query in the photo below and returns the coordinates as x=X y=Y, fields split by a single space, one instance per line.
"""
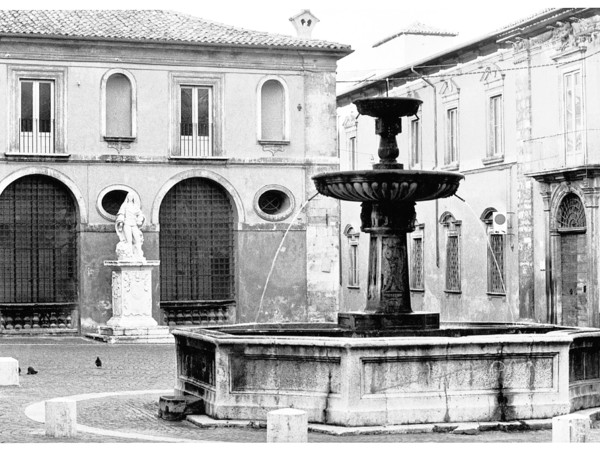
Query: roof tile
x=145 y=25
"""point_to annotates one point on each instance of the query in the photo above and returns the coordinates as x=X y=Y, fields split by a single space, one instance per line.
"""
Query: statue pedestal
x=132 y=321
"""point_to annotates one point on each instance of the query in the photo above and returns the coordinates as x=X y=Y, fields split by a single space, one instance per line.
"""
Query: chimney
x=304 y=22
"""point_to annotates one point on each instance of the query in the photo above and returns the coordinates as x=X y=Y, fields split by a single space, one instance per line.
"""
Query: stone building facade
x=216 y=130
x=516 y=112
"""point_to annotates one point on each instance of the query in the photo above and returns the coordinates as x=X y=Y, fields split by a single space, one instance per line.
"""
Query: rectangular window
x=451 y=155
x=415 y=142
x=195 y=121
x=352 y=151
x=36 y=116
x=495 y=126
x=496 y=264
x=416 y=273
x=452 y=264
x=573 y=107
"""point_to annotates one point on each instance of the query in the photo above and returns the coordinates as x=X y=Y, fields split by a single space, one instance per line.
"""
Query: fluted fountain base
x=367 y=321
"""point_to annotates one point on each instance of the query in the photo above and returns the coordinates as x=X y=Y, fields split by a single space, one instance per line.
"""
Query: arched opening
x=38 y=255
x=571 y=225
x=197 y=253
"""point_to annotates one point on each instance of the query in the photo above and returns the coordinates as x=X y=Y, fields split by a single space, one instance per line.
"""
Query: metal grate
x=38 y=250
x=196 y=243
x=452 y=264
x=416 y=278
x=496 y=264
x=571 y=213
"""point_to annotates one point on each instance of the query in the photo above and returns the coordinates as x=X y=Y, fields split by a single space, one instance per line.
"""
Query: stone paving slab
x=66 y=367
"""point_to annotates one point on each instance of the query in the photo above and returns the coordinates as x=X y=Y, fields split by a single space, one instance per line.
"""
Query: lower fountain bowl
x=457 y=373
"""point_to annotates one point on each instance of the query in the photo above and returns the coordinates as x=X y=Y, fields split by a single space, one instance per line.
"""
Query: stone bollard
x=9 y=372
x=287 y=425
x=61 y=418
x=570 y=428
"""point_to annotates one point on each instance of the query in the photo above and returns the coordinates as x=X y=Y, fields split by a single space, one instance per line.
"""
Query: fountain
x=389 y=364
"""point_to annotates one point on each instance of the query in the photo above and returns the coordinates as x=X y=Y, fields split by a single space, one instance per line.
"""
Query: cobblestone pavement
x=66 y=367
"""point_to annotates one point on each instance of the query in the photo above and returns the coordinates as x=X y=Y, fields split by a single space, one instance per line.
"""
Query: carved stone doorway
x=574 y=264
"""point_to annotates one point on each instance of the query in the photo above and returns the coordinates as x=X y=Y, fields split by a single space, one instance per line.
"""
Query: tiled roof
x=144 y=25
x=417 y=28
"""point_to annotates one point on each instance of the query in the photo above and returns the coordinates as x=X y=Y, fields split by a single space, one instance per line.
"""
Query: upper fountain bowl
x=391 y=107
x=387 y=185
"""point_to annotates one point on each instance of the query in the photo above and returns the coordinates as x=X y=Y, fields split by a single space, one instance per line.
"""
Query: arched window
x=273 y=111
x=496 y=245
x=119 y=105
x=453 y=269
x=571 y=213
x=353 y=236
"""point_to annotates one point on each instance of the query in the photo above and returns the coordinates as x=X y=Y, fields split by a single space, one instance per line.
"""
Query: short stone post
x=9 y=372
x=61 y=418
x=287 y=425
x=570 y=428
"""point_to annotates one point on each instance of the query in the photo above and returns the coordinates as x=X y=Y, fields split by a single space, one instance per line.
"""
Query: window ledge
x=417 y=290
x=493 y=160
x=206 y=158
x=267 y=142
x=37 y=155
x=452 y=292
x=451 y=166
x=496 y=294
x=353 y=287
x=119 y=138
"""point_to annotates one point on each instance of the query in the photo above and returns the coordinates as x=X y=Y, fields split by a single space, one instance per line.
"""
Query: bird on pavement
x=98 y=362
x=31 y=371
x=19 y=371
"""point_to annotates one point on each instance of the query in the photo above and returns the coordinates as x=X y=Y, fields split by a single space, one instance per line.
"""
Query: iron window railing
x=36 y=136
x=195 y=139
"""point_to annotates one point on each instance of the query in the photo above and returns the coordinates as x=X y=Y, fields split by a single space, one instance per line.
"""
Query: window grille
x=496 y=264
x=196 y=243
x=417 y=279
x=571 y=213
x=353 y=279
x=452 y=264
x=38 y=254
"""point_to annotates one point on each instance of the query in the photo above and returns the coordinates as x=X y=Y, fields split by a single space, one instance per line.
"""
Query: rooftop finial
x=304 y=22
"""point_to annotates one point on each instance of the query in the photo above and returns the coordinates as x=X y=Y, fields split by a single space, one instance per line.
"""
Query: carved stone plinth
x=132 y=320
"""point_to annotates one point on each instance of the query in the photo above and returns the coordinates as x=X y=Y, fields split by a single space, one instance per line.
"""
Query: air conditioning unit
x=499 y=223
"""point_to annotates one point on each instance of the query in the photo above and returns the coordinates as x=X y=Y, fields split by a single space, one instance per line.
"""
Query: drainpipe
x=435 y=156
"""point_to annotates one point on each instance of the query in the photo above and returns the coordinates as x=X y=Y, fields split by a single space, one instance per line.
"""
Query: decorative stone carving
x=127 y=225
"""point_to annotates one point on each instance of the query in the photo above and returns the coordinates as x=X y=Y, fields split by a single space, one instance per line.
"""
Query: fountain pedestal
x=132 y=320
x=388 y=293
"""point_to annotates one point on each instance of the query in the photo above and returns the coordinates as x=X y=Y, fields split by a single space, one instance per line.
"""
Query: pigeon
x=98 y=362
x=31 y=371
x=19 y=371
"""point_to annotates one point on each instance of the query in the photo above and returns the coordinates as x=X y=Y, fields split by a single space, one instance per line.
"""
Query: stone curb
x=453 y=428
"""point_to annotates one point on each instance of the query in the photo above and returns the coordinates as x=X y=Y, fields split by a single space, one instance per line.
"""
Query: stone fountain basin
x=395 y=185
x=459 y=373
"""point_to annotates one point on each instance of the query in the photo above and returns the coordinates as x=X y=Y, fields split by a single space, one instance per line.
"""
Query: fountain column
x=388 y=283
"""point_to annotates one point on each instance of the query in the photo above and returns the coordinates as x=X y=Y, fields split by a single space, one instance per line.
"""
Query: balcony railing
x=36 y=136
x=195 y=140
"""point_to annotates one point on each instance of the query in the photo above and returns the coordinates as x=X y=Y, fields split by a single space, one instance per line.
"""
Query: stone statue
x=129 y=220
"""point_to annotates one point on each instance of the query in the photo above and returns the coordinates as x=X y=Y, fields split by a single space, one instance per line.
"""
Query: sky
x=356 y=23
